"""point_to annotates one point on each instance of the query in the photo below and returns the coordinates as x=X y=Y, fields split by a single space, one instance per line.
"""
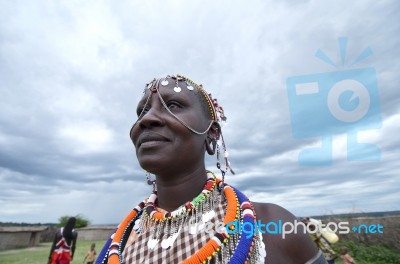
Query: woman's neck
x=173 y=192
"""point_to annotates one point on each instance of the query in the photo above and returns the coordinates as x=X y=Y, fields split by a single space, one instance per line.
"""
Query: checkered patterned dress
x=184 y=246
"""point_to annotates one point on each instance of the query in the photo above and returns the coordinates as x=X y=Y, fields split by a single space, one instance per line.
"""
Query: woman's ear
x=212 y=137
x=214 y=131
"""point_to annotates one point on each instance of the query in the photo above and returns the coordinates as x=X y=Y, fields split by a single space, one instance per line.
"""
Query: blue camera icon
x=325 y=104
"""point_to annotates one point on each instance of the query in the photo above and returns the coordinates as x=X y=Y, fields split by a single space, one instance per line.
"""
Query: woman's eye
x=173 y=105
x=141 y=111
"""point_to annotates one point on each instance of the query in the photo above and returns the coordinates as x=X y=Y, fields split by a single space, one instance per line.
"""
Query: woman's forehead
x=171 y=91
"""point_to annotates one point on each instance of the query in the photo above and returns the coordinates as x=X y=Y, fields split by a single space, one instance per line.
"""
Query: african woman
x=191 y=214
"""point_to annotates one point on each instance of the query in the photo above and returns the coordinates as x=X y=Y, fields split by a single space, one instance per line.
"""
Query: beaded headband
x=216 y=111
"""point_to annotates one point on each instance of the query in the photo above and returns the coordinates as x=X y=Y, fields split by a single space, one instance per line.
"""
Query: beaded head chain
x=217 y=115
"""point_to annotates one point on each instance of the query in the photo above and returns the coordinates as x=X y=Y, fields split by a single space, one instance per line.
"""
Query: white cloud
x=84 y=138
x=72 y=73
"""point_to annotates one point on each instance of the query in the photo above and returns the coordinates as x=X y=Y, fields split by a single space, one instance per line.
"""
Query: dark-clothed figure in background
x=63 y=248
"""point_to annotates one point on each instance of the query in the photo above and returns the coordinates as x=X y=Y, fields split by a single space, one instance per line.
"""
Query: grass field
x=39 y=255
x=364 y=254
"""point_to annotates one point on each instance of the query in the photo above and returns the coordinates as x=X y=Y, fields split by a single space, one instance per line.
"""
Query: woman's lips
x=151 y=139
x=148 y=144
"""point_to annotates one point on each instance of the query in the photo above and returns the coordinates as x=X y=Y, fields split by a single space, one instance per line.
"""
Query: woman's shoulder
x=283 y=235
x=271 y=209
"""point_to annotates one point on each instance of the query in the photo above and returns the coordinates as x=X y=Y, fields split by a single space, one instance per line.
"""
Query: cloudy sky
x=72 y=72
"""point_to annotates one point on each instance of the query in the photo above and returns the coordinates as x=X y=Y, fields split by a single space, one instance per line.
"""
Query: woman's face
x=161 y=141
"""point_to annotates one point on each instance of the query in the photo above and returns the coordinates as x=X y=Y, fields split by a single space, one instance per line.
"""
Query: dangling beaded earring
x=150 y=181
x=220 y=117
x=219 y=165
x=226 y=154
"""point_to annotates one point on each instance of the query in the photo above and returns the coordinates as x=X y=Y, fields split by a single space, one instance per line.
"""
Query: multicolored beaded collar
x=170 y=223
x=222 y=247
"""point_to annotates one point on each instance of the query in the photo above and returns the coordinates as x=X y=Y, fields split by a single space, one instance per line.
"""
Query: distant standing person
x=63 y=248
x=344 y=255
x=91 y=255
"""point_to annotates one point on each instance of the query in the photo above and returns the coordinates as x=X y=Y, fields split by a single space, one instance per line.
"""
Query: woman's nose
x=152 y=118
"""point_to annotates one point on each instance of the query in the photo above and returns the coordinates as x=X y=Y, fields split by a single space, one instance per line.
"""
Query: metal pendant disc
x=190 y=87
x=201 y=225
x=193 y=229
x=137 y=224
x=172 y=238
x=152 y=243
x=177 y=89
x=263 y=253
x=164 y=83
x=211 y=214
x=205 y=217
x=165 y=243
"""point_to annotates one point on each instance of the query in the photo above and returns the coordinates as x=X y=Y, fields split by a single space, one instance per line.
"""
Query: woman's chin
x=150 y=164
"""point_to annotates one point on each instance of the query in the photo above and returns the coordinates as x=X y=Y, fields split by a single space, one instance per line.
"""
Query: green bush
x=81 y=221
